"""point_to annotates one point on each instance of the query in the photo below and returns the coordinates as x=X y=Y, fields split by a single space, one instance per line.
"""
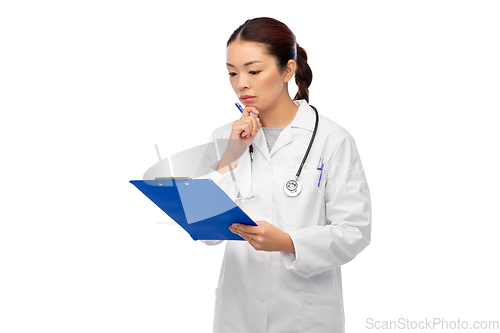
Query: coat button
x=266 y=213
x=262 y=256
x=261 y=299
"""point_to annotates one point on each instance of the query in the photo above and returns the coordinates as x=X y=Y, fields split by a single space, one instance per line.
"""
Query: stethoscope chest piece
x=292 y=188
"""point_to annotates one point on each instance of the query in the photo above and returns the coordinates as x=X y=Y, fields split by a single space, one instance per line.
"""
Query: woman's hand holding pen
x=264 y=236
x=244 y=129
x=243 y=132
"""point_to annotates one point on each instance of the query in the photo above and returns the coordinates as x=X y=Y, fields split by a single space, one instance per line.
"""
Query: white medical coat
x=329 y=224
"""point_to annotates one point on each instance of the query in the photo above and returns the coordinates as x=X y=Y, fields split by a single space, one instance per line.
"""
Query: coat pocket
x=302 y=210
x=324 y=314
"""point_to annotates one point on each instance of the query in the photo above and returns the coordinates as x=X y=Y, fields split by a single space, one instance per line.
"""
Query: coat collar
x=305 y=118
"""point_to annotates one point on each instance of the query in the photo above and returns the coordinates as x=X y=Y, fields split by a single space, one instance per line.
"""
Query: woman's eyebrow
x=247 y=64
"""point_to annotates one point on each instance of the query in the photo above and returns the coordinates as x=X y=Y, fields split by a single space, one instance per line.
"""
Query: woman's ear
x=289 y=70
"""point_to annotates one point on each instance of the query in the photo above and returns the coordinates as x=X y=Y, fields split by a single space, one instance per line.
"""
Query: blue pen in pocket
x=322 y=164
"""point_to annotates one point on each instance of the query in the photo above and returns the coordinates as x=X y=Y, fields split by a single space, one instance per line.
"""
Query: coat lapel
x=260 y=143
x=245 y=176
x=305 y=119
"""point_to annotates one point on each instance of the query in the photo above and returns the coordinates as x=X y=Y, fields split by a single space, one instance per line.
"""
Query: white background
x=88 y=87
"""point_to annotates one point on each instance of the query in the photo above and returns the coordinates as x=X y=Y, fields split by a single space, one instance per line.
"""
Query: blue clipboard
x=199 y=206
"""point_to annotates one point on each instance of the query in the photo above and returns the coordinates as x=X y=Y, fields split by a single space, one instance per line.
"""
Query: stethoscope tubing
x=250 y=149
x=310 y=143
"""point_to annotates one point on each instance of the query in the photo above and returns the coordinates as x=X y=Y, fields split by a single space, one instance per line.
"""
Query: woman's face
x=254 y=75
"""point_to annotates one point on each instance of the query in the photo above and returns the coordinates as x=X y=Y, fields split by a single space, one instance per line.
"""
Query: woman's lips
x=247 y=99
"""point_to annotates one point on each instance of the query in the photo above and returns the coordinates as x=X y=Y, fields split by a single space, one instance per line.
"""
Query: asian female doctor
x=298 y=175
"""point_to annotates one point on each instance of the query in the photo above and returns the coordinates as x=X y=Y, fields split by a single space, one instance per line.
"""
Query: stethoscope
x=292 y=188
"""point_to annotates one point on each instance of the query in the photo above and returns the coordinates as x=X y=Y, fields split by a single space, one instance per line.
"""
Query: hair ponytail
x=281 y=44
x=303 y=75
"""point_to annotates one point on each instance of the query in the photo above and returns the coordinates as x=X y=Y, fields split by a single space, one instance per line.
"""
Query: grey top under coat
x=272 y=135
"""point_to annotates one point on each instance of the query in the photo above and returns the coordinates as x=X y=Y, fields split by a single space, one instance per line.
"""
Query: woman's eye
x=232 y=74
x=254 y=72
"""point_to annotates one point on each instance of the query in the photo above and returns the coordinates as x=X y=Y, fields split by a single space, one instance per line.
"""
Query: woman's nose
x=243 y=82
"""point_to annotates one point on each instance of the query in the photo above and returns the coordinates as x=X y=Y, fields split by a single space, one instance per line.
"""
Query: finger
x=254 y=125
x=245 y=128
x=248 y=127
x=242 y=130
x=244 y=228
x=245 y=236
x=238 y=227
x=249 y=109
x=240 y=233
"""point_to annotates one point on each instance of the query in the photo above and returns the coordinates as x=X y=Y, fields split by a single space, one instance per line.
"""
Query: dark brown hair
x=281 y=44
